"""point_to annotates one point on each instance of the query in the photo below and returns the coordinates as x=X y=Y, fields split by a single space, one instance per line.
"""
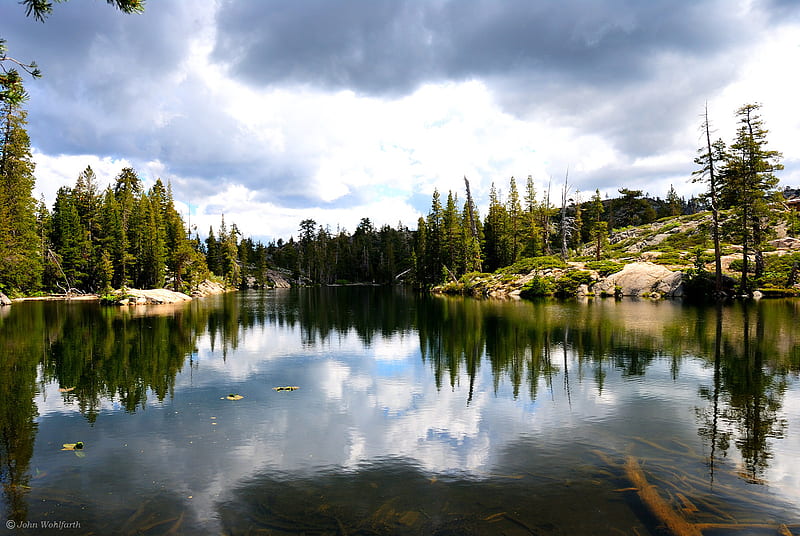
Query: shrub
x=605 y=268
x=736 y=266
x=778 y=270
x=451 y=288
x=529 y=264
x=538 y=286
x=567 y=285
x=669 y=258
x=692 y=238
x=698 y=284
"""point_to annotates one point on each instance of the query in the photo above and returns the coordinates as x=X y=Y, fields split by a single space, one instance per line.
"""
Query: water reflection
x=402 y=397
x=17 y=410
x=746 y=398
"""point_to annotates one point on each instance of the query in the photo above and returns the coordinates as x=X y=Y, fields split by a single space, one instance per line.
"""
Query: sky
x=271 y=112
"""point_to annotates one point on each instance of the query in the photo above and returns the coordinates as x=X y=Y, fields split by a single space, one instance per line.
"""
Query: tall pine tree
x=748 y=182
x=20 y=254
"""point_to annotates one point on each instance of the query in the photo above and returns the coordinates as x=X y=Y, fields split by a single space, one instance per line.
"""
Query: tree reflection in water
x=130 y=355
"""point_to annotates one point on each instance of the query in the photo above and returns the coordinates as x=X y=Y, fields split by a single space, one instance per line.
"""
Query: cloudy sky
x=275 y=111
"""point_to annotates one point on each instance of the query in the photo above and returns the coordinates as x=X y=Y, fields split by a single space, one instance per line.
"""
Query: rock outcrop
x=643 y=279
x=134 y=296
x=278 y=279
x=787 y=242
x=160 y=296
x=4 y=300
x=208 y=288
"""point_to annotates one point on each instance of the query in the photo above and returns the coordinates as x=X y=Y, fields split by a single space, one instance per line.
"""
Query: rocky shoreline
x=132 y=296
x=636 y=279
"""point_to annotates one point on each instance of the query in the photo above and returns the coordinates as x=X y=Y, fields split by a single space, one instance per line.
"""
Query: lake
x=413 y=414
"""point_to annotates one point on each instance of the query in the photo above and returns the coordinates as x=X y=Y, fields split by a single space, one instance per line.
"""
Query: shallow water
x=413 y=415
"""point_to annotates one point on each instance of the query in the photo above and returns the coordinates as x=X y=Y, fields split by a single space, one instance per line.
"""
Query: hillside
x=671 y=257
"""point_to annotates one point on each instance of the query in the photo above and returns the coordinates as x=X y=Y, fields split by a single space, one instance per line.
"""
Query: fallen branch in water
x=657 y=506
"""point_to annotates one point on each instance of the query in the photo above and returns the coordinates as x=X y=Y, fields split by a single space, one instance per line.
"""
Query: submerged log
x=656 y=504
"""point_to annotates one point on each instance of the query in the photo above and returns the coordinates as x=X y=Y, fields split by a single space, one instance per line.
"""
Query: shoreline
x=132 y=296
x=58 y=297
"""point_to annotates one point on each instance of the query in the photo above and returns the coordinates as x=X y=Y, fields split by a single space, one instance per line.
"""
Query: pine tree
x=213 y=253
x=674 y=205
x=307 y=230
x=471 y=245
x=127 y=189
x=533 y=231
x=453 y=236
x=599 y=232
x=515 y=231
x=711 y=158
x=67 y=238
x=472 y=250
x=748 y=182
x=138 y=236
x=433 y=224
x=421 y=253
x=495 y=233
x=20 y=260
x=151 y=257
x=180 y=252
x=232 y=272
x=86 y=199
x=113 y=244
x=577 y=222
x=545 y=213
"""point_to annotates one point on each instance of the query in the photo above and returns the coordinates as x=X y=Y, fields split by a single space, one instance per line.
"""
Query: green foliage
x=690 y=239
x=674 y=224
x=567 y=285
x=20 y=247
x=780 y=272
x=670 y=258
x=698 y=284
x=631 y=209
x=538 y=286
x=605 y=267
x=748 y=187
x=109 y=298
x=737 y=265
x=530 y=264
x=41 y=9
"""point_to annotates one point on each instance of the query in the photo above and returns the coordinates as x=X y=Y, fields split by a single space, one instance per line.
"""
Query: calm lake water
x=413 y=415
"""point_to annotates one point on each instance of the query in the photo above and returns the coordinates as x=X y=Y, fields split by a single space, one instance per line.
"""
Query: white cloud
x=53 y=172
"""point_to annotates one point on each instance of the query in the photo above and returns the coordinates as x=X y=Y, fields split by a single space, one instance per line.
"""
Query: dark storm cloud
x=624 y=69
x=102 y=71
x=390 y=47
x=112 y=86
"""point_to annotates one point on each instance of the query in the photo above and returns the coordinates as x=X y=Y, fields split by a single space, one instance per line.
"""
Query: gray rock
x=207 y=288
x=786 y=243
x=4 y=300
x=278 y=279
x=155 y=296
x=640 y=278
